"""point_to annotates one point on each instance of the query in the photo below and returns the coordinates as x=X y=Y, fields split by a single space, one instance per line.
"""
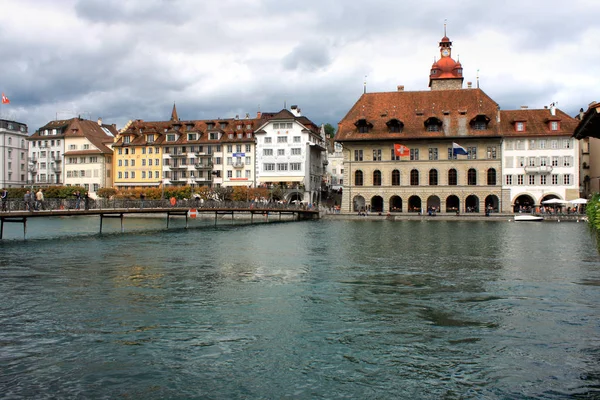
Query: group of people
x=34 y=201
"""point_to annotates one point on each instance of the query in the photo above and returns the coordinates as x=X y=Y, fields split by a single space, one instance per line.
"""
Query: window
x=553 y=125
x=452 y=177
x=520 y=179
x=72 y=147
x=126 y=139
x=268 y=140
x=554 y=144
x=509 y=144
x=566 y=161
x=555 y=161
x=281 y=139
x=132 y=174
x=433 y=177
x=150 y=162
x=543 y=161
x=531 y=179
x=120 y=175
x=479 y=125
x=238 y=148
x=143 y=174
x=248 y=174
x=229 y=161
x=414 y=177
x=85 y=146
x=555 y=179
x=267 y=152
x=414 y=154
x=143 y=162
x=521 y=161
x=269 y=167
x=155 y=174
x=358 y=155
x=509 y=180
x=543 y=180
x=213 y=136
x=358 y=178
x=126 y=163
x=248 y=148
x=433 y=128
x=248 y=160
x=217 y=160
x=472 y=177
x=472 y=153
x=297 y=139
x=542 y=143
x=281 y=152
x=295 y=166
x=150 y=138
x=566 y=143
x=531 y=161
x=532 y=145
x=520 y=145
x=451 y=155
x=433 y=153
x=393 y=156
x=230 y=174
x=395 y=178
x=133 y=163
x=491 y=152
x=282 y=166
x=126 y=175
x=491 y=176
x=377 y=155
x=296 y=151
x=520 y=126
x=566 y=179
x=377 y=178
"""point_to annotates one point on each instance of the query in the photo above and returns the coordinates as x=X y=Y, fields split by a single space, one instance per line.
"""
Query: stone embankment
x=449 y=217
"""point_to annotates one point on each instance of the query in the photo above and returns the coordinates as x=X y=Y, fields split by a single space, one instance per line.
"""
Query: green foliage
x=106 y=193
x=329 y=130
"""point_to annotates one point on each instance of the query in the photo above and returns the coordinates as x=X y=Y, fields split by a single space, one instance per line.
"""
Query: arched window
x=472 y=177
x=377 y=178
x=452 y=177
x=358 y=178
x=433 y=177
x=491 y=176
x=414 y=177
x=395 y=178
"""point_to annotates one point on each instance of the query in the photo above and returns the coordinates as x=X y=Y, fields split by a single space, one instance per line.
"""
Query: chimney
x=545 y=107
x=469 y=85
x=247 y=115
x=100 y=121
x=258 y=114
x=401 y=88
x=237 y=117
x=524 y=107
x=552 y=109
x=295 y=110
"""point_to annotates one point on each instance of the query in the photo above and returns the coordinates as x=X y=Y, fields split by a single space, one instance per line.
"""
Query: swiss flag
x=5 y=99
x=401 y=150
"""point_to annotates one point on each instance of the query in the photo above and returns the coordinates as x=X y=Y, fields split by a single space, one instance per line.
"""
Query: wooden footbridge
x=268 y=213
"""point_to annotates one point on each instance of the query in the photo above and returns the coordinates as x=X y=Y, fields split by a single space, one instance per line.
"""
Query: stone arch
x=414 y=204
x=434 y=203
x=472 y=203
x=396 y=204
x=377 y=204
x=523 y=202
x=358 y=203
x=492 y=203
x=452 y=203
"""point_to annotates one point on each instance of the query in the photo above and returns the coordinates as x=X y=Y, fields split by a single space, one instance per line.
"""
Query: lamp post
x=32 y=167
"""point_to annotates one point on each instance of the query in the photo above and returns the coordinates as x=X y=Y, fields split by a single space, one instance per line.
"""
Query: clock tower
x=446 y=73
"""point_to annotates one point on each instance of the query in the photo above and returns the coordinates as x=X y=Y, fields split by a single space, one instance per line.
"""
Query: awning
x=138 y=184
x=281 y=179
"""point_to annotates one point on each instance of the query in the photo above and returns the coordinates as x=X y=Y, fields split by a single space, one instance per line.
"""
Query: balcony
x=57 y=167
x=179 y=166
x=543 y=169
x=56 y=158
x=238 y=164
x=203 y=166
x=178 y=154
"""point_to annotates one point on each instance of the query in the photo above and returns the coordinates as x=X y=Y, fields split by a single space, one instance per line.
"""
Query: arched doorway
x=523 y=203
x=452 y=204
x=472 y=203
x=433 y=204
x=396 y=204
x=295 y=196
x=414 y=204
x=377 y=204
x=358 y=203
x=492 y=203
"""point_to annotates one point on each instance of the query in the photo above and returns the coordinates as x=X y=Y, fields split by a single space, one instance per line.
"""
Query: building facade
x=290 y=152
x=13 y=154
x=540 y=158
x=588 y=134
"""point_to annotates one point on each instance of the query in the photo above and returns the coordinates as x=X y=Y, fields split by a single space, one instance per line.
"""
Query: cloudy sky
x=130 y=59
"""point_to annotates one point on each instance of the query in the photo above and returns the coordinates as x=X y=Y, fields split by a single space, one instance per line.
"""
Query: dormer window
x=126 y=139
x=363 y=126
x=210 y=125
x=240 y=135
x=223 y=125
x=520 y=126
x=171 y=137
x=192 y=136
x=150 y=139
x=480 y=123
x=554 y=125
x=239 y=127
x=189 y=127
x=395 y=126
x=433 y=124
x=213 y=136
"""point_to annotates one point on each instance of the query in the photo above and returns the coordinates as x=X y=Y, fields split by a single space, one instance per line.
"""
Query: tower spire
x=174 y=116
x=445 y=21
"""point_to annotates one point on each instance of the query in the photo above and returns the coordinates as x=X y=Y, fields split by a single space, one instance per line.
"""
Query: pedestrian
x=4 y=197
x=142 y=198
x=27 y=201
x=39 y=197
x=87 y=200
x=77 y=199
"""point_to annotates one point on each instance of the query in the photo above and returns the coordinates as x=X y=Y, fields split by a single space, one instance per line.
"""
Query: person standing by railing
x=39 y=197
x=28 y=201
x=4 y=197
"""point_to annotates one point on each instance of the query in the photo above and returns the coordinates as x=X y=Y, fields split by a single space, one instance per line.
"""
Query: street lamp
x=32 y=167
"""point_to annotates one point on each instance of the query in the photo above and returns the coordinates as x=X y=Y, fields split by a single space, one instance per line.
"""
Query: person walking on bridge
x=4 y=197
x=27 y=199
x=39 y=197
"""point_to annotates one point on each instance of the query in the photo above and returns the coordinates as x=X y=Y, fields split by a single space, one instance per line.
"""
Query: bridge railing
x=103 y=204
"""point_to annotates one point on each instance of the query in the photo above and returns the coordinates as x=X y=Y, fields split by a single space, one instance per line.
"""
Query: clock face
x=446 y=52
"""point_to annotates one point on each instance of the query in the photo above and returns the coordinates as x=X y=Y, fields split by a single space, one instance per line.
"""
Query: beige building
x=448 y=158
x=588 y=133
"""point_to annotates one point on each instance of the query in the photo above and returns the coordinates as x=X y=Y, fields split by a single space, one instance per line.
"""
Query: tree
x=329 y=130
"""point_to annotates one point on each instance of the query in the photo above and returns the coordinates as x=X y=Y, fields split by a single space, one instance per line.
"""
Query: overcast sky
x=132 y=59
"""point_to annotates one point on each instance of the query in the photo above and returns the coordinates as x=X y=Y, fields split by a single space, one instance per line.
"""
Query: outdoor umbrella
x=554 y=201
x=578 y=201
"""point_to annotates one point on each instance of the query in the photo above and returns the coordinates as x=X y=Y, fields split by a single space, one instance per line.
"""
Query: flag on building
x=458 y=149
x=400 y=150
x=5 y=99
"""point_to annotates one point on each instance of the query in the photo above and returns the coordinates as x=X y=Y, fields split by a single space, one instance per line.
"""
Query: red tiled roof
x=537 y=122
x=455 y=108
x=77 y=127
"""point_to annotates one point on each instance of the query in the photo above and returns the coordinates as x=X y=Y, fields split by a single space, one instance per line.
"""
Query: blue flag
x=458 y=149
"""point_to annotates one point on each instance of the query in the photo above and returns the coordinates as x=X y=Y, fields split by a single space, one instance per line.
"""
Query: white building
x=290 y=153
x=13 y=154
x=540 y=158
x=335 y=166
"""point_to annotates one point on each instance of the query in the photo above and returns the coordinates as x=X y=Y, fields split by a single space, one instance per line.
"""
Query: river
x=305 y=310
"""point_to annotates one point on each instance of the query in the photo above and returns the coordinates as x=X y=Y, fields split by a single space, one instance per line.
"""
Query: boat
x=528 y=217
